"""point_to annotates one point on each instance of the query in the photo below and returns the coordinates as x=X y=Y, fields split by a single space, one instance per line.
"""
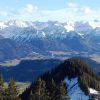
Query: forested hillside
x=49 y=83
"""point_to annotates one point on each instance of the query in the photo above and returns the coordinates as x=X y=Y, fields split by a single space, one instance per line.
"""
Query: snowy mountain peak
x=17 y=23
x=69 y=27
x=2 y=25
x=94 y=24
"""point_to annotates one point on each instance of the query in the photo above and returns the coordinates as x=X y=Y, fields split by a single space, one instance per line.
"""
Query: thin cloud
x=87 y=10
x=71 y=5
x=72 y=12
x=3 y=13
x=28 y=9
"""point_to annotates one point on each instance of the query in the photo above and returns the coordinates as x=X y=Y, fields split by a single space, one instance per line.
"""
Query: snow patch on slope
x=69 y=27
x=74 y=91
x=94 y=24
x=93 y=91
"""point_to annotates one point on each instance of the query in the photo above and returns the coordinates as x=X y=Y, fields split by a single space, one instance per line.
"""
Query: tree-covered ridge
x=40 y=91
x=70 y=68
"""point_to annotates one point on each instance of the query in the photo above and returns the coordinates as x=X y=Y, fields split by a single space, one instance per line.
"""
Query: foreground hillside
x=70 y=70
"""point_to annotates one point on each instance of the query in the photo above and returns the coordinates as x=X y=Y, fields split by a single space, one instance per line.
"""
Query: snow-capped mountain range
x=78 y=27
x=27 y=36
x=25 y=29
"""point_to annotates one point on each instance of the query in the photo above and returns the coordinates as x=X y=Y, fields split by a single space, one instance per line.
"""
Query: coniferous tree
x=61 y=92
x=12 y=93
x=31 y=96
x=52 y=89
x=1 y=87
x=39 y=92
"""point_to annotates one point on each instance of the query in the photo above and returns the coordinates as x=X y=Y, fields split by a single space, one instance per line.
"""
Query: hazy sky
x=44 y=10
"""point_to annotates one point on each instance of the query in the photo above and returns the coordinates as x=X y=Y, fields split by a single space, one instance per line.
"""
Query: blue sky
x=44 y=10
